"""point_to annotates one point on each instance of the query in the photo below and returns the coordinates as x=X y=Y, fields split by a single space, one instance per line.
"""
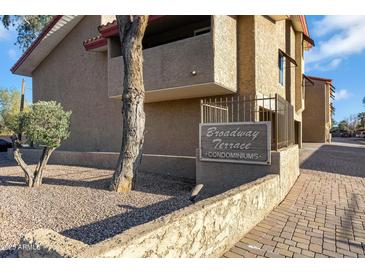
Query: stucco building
x=77 y=61
x=317 y=116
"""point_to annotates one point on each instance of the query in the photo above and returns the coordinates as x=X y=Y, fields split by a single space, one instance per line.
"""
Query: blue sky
x=9 y=54
x=339 y=54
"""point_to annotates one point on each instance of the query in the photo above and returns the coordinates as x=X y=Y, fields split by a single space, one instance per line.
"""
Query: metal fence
x=253 y=109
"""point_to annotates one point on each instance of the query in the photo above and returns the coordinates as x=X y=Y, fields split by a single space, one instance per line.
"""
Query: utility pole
x=22 y=98
x=21 y=106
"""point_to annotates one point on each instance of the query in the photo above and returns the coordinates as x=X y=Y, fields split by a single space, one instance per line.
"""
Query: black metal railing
x=253 y=109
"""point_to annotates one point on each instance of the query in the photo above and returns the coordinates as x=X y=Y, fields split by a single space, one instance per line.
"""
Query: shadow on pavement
x=338 y=159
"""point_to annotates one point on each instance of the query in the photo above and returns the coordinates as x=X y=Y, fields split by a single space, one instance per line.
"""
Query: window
x=281 y=68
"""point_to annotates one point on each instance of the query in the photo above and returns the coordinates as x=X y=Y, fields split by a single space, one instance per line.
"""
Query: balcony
x=199 y=66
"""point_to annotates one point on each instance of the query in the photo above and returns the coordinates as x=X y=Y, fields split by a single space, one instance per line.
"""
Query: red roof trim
x=320 y=79
x=95 y=43
x=35 y=43
x=304 y=24
x=111 y=28
x=109 y=31
x=303 y=21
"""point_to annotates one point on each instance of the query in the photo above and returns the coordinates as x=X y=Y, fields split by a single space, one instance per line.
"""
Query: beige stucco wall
x=269 y=38
x=172 y=127
x=259 y=40
x=290 y=68
x=225 y=50
x=246 y=55
x=212 y=56
x=169 y=66
x=314 y=115
x=327 y=103
x=174 y=165
x=78 y=79
x=299 y=83
x=96 y=119
x=328 y=114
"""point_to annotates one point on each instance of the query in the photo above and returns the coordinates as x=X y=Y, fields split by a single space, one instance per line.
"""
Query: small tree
x=343 y=125
x=361 y=117
x=9 y=109
x=352 y=122
x=46 y=125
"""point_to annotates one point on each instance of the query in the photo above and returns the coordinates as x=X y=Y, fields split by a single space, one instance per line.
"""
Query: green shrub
x=46 y=124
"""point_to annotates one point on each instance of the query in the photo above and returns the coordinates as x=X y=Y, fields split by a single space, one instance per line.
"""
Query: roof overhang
x=327 y=80
x=111 y=29
x=279 y=17
x=98 y=43
x=47 y=40
x=324 y=80
x=299 y=23
x=309 y=40
x=308 y=79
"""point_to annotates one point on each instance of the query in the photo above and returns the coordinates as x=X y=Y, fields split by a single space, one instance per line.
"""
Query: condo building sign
x=244 y=142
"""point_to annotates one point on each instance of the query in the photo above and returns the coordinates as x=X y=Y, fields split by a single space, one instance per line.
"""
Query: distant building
x=317 y=115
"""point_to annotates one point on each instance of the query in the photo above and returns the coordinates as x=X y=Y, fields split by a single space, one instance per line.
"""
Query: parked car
x=4 y=145
x=336 y=134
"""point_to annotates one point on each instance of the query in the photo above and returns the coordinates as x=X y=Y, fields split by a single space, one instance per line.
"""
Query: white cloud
x=333 y=64
x=12 y=54
x=342 y=94
x=341 y=22
x=3 y=32
x=346 y=37
x=325 y=66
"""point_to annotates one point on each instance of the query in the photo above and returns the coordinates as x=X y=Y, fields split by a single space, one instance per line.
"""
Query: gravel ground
x=75 y=202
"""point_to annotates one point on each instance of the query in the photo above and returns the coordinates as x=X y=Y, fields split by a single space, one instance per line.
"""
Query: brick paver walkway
x=324 y=213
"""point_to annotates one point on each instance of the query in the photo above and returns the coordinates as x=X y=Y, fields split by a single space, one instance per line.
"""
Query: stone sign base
x=218 y=177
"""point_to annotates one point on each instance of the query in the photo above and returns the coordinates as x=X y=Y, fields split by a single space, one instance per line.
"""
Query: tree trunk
x=18 y=158
x=131 y=32
x=32 y=179
x=38 y=173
